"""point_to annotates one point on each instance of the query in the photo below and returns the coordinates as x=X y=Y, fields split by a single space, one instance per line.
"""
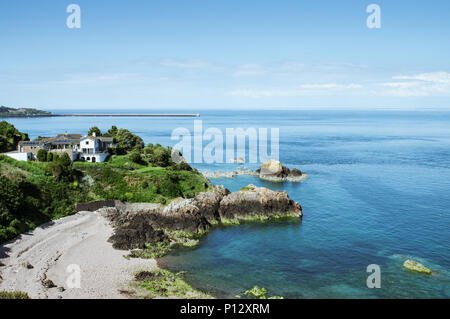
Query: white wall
x=88 y=143
x=19 y=156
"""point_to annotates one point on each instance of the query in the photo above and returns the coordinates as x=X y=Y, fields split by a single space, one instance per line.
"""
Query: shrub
x=14 y=295
x=49 y=157
x=65 y=160
x=135 y=157
x=42 y=155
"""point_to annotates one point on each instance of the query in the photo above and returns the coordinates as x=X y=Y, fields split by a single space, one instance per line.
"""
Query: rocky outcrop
x=140 y=224
x=133 y=229
x=209 y=203
x=257 y=201
x=274 y=171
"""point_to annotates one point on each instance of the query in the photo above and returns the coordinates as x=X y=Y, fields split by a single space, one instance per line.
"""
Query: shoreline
x=28 y=261
x=97 y=248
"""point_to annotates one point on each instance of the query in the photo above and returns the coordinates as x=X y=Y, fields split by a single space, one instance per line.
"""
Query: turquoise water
x=378 y=192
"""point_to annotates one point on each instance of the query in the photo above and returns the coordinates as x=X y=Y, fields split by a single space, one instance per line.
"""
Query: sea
x=377 y=193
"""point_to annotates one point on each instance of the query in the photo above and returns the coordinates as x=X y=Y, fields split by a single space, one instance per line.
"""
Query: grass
x=124 y=180
x=14 y=295
x=163 y=283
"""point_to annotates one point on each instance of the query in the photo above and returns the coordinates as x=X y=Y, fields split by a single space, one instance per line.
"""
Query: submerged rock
x=415 y=266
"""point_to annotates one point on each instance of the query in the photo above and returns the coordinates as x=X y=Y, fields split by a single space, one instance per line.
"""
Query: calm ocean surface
x=378 y=192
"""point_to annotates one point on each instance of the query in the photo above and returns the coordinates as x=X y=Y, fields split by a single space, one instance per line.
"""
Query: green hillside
x=32 y=193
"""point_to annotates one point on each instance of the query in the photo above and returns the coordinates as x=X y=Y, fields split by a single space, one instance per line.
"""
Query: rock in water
x=257 y=201
x=274 y=171
x=272 y=167
x=296 y=172
x=415 y=266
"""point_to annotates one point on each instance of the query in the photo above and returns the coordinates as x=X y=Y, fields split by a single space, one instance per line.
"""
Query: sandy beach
x=45 y=254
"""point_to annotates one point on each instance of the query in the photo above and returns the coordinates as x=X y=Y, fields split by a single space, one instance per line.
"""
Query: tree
x=112 y=131
x=10 y=137
x=65 y=160
x=49 y=157
x=128 y=141
x=95 y=130
x=42 y=155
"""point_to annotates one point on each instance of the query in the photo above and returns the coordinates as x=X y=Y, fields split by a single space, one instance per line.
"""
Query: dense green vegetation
x=10 y=137
x=123 y=179
x=125 y=140
x=32 y=193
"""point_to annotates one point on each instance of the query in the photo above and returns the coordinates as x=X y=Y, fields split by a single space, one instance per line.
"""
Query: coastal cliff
x=184 y=221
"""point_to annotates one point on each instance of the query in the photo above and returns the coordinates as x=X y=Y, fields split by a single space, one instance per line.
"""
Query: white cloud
x=249 y=70
x=260 y=93
x=185 y=64
x=434 y=77
x=330 y=86
x=424 y=84
x=302 y=90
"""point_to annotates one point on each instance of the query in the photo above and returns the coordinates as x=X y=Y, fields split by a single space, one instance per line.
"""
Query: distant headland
x=7 y=112
x=22 y=112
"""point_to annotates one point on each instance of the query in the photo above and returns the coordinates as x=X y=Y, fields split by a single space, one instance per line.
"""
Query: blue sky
x=145 y=54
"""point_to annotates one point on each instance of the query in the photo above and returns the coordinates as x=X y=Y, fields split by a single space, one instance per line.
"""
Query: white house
x=94 y=149
x=87 y=148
